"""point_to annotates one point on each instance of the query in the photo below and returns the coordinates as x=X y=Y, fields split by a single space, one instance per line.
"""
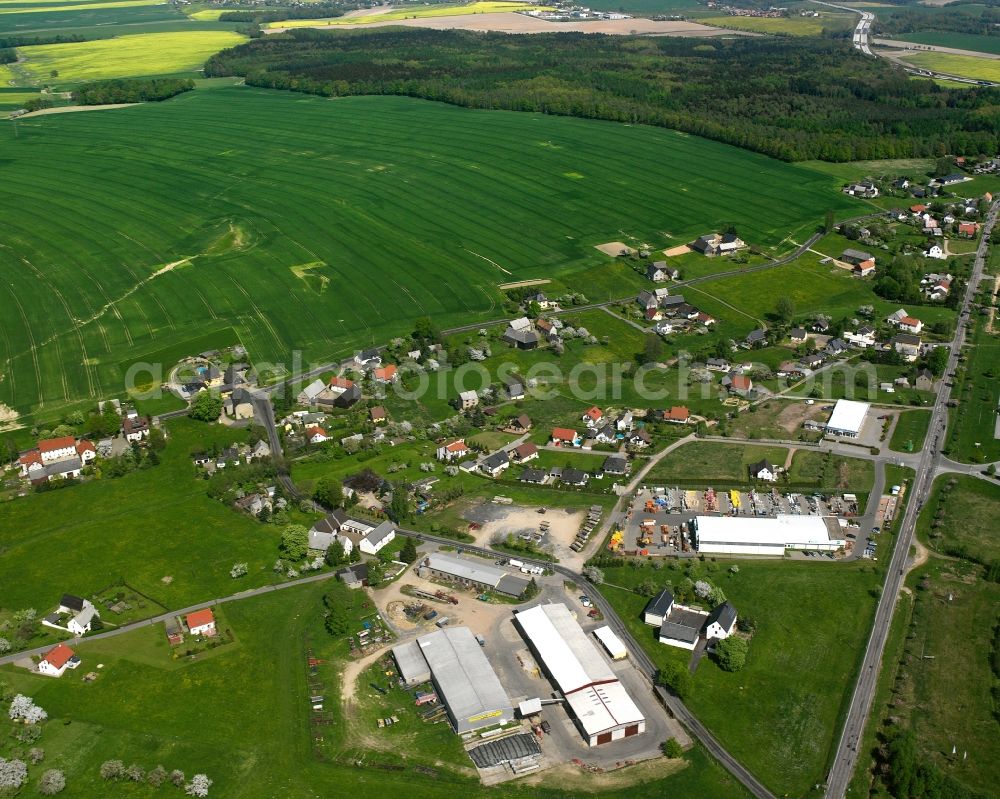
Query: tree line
x=794 y=99
x=133 y=90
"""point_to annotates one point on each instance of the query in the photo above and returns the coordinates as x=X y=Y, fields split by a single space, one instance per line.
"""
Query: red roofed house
x=316 y=435
x=525 y=452
x=593 y=415
x=562 y=436
x=969 y=229
x=201 y=622
x=678 y=415
x=57 y=660
x=456 y=449
x=86 y=450
x=57 y=449
x=705 y=319
x=918 y=209
x=387 y=374
x=910 y=324
x=738 y=384
x=341 y=382
x=135 y=428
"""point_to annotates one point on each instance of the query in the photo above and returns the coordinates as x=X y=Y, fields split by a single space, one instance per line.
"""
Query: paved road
x=930 y=459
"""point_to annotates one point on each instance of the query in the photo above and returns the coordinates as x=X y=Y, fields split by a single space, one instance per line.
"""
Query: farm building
x=847 y=418
x=596 y=699
x=473 y=573
x=612 y=643
x=375 y=539
x=462 y=675
x=748 y=535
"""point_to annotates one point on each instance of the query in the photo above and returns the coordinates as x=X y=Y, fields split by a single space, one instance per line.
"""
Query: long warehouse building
x=754 y=535
x=597 y=700
x=464 y=679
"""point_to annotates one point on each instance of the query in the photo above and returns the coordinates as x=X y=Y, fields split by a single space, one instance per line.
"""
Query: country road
x=859 y=709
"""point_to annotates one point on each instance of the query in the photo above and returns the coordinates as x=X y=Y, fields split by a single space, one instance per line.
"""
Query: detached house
x=456 y=449
x=135 y=427
x=678 y=414
x=593 y=416
x=55 y=662
x=376 y=539
x=763 y=470
x=658 y=272
x=525 y=452
x=906 y=345
x=386 y=374
x=494 y=465
x=525 y=339
x=368 y=359
x=201 y=622
x=316 y=435
x=865 y=189
x=521 y=424
x=738 y=384
x=911 y=324
x=934 y=251
x=756 y=338
x=968 y=230
x=468 y=399
x=564 y=437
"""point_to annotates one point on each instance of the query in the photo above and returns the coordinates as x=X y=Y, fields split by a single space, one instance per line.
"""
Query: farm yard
x=217 y=242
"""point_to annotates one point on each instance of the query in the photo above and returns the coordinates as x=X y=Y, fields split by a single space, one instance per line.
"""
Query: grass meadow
x=780 y=715
x=910 y=431
x=407 y=207
x=972 y=425
x=961 y=517
x=141 y=528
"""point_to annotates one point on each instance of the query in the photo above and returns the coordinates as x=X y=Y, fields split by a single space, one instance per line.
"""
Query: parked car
x=585 y=601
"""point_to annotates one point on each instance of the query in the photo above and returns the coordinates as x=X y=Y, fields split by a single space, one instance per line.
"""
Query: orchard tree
x=594 y=574
x=199 y=785
x=112 y=770
x=52 y=782
x=13 y=773
x=22 y=707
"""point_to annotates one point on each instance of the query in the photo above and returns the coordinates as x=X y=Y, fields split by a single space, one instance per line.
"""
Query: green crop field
x=959 y=41
x=86 y=18
x=779 y=715
x=966 y=66
x=318 y=225
x=127 y=56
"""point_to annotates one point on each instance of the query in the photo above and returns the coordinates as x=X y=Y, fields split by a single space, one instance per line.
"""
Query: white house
x=934 y=251
x=316 y=435
x=377 y=538
x=469 y=399
x=82 y=621
x=57 y=660
x=911 y=324
x=721 y=622
x=657 y=608
x=762 y=470
x=495 y=464
x=201 y=622
x=135 y=427
x=455 y=449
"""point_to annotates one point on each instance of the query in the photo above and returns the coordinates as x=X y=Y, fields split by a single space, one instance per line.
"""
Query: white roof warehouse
x=598 y=701
x=462 y=675
x=847 y=418
x=749 y=535
x=474 y=572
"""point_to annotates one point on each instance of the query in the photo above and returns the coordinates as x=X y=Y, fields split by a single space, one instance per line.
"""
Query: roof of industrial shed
x=848 y=415
x=611 y=641
x=475 y=570
x=568 y=655
x=463 y=675
x=413 y=666
x=785 y=530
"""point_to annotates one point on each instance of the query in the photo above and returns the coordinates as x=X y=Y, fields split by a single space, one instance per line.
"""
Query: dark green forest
x=794 y=99
x=134 y=90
